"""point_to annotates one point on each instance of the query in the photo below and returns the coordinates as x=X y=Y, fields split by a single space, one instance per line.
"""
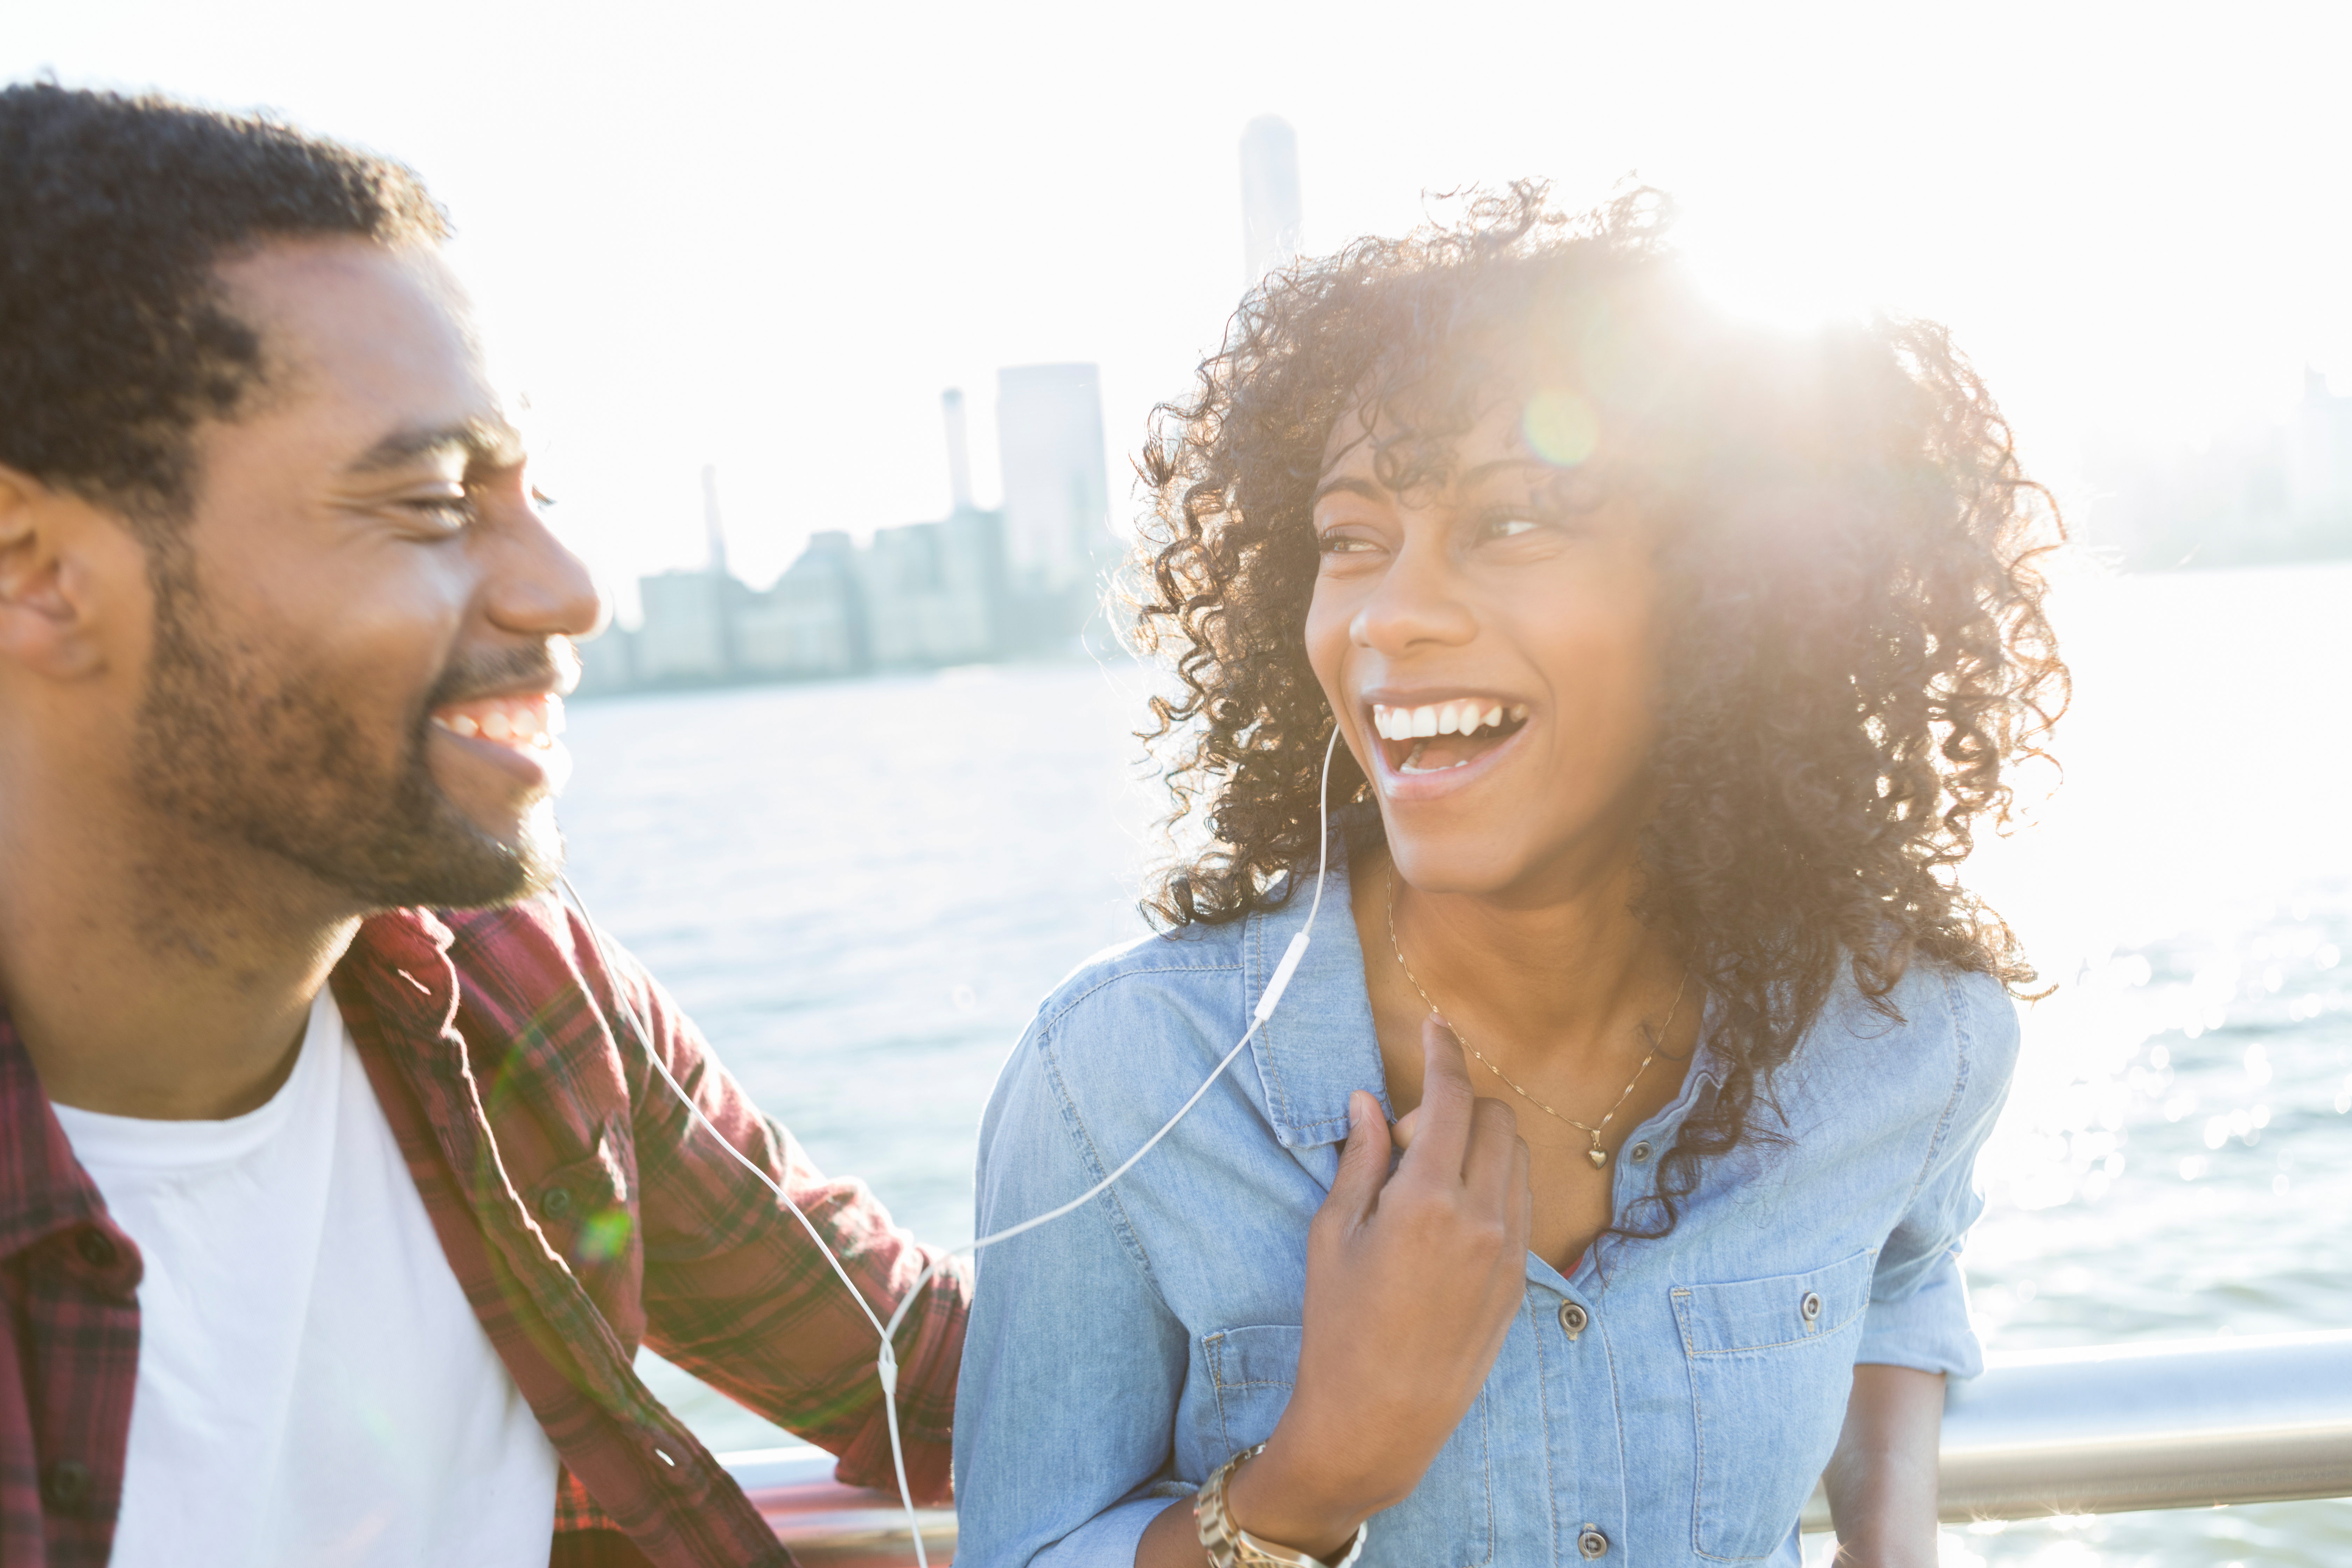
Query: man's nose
x=539 y=589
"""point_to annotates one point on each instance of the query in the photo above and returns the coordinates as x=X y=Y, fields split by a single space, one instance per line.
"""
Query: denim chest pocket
x=1771 y=1364
x=1252 y=1370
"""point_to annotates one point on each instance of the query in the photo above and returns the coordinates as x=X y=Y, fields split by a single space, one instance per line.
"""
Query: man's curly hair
x=116 y=338
x=1854 y=651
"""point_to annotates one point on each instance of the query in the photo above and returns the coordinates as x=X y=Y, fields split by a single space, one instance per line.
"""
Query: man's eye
x=1341 y=544
x=1511 y=527
x=450 y=513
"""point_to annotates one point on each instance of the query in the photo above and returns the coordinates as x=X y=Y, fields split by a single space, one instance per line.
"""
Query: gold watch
x=1231 y=1546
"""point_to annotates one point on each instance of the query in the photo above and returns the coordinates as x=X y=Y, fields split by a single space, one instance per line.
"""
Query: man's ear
x=49 y=590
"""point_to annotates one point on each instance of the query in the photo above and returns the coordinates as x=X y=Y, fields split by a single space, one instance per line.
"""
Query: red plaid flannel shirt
x=581 y=1209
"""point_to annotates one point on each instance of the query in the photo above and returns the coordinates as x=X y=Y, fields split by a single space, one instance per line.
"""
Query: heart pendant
x=1599 y=1157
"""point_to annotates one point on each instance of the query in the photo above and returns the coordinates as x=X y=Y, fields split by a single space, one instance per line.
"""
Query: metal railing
x=2107 y=1429
x=2114 y=1429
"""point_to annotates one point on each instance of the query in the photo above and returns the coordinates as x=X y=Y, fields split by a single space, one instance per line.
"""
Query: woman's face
x=1487 y=643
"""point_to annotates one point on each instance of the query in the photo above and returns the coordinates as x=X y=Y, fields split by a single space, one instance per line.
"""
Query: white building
x=933 y=592
x=683 y=637
x=812 y=623
x=1049 y=435
x=2319 y=457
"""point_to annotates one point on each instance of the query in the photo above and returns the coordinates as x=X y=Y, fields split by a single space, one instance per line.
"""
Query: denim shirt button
x=1639 y=1154
x=1811 y=1307
x=1573 y=1318
x=1593 y=1543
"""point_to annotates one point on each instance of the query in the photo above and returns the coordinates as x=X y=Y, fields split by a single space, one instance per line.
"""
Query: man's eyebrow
x=489 y=443
x=1364 y=488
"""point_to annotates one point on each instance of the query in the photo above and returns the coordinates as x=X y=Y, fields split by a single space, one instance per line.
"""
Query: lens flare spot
x=605 y=1235
x=1559 y=428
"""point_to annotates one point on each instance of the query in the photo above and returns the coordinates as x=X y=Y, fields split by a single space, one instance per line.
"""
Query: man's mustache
x=550 y=666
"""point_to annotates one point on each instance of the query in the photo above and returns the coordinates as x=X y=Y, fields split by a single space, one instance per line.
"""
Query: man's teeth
x=1456 y=717
x=534 y=723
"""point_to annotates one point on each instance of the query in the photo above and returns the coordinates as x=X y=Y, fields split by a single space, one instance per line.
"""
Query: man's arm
x=737 y=1293
x=1881 y=1478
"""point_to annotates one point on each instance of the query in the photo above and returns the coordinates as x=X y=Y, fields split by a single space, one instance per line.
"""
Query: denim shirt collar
x=1320 y=1043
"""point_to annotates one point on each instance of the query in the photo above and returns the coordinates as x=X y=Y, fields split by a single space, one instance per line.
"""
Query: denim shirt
x=1666 y=1401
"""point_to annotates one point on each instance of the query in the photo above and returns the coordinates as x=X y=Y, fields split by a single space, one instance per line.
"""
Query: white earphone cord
x=887 y=1364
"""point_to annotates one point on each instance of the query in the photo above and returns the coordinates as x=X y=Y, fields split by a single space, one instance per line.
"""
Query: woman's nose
x=1418 y=600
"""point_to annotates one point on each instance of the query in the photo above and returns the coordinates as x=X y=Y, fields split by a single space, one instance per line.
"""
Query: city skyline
x=774 y=266
x=977 y=584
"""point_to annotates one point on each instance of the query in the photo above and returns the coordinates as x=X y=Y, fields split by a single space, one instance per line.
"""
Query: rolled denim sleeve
x=1918 y=1300
x=1073 y=1365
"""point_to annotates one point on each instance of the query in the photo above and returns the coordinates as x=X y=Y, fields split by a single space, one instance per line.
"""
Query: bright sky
x=766 y=236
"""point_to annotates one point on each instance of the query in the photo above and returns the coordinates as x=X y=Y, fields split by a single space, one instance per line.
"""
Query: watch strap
x=1230 y=1546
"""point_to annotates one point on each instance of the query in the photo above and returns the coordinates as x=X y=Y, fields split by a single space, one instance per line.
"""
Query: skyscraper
x=1270 y=207
x=1049 y=436
x=2319 y=460
x=959 y=452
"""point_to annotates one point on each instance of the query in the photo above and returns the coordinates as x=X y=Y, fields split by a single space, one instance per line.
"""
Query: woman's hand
x=1411 y=1281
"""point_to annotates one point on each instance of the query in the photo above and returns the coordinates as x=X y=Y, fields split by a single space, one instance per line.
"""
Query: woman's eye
x=1511 y=527
x=1341 y=544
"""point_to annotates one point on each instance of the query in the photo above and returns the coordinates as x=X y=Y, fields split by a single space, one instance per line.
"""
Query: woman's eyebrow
x=1364 y=488
x=1485 y=472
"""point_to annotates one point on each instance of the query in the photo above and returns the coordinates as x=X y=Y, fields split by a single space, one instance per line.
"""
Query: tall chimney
x=959 y=452
x=712 y=531
x=1270 y=206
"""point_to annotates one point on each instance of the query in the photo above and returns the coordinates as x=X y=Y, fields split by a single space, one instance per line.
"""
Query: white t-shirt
x=314 y=1389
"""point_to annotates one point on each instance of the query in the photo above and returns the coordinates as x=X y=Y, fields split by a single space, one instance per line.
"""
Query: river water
x=861 y=890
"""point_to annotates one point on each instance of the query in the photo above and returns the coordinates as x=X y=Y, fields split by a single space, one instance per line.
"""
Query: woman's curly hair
x=1853 y=645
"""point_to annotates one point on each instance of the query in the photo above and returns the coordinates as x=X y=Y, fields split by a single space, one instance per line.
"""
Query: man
x=337 y=1186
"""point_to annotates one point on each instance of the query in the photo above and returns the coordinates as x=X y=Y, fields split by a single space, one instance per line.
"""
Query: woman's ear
x=49 y=589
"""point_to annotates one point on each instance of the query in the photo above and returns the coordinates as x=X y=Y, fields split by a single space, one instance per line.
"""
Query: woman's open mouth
x=1438 y=737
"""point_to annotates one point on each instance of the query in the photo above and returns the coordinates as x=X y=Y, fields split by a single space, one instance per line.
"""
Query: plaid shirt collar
x=42 y=1189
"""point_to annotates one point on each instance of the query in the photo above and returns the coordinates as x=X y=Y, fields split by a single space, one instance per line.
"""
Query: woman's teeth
x=1456 y=717
x=531 y=722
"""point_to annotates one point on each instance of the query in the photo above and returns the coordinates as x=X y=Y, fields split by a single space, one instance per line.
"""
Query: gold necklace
x=1597 y=1155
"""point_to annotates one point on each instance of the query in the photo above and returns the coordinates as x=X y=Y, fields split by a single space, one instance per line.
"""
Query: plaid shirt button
x=555 y=1203
x=97 y=1249
x=65 y=1483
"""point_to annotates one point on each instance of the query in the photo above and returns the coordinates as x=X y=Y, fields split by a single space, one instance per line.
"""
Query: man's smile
x=515 y=733
x=532 y=721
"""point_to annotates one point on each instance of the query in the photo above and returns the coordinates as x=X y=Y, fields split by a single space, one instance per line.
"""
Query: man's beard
x=262 y=753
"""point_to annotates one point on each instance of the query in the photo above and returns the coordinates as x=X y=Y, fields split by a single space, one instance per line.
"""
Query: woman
x=1672 y=664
